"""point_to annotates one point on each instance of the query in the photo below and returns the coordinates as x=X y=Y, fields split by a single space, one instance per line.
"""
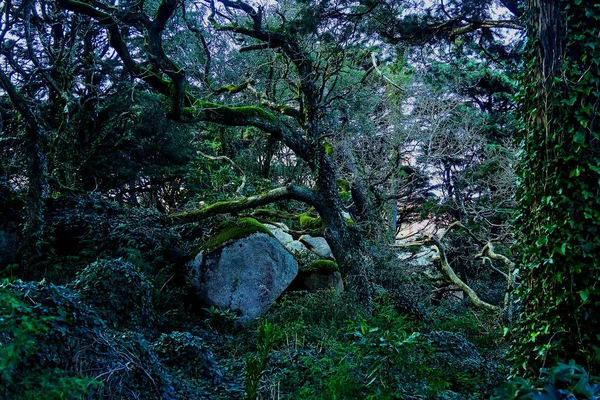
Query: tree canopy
x=445 y=151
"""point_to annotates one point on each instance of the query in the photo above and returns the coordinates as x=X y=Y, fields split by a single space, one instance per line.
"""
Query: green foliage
x=220 y=320
x=387 y=355
x=82 y=229
x=565 y=381
x=188 y=354
x=232 y=230
x=132 y=137
x=324 y=266
x=23 y=346
x=256 y=364
x=560 y=201
x=120 y=293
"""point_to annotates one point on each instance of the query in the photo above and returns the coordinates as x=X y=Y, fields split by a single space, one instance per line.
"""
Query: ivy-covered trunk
x=559 y=193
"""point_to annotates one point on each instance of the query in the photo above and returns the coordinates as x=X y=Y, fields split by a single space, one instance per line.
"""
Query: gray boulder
x=280 y=233
x=317 y=245
x=245 y=275
x=296 y=247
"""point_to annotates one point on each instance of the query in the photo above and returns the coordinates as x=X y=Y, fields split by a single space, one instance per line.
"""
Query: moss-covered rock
x=307 y=222
x=321 y=266
x=232 y=230
x=320 y=275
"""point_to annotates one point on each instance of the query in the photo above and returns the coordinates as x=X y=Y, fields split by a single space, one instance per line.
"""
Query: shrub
x=22 y=346
x=564 y=381
x=120 y=293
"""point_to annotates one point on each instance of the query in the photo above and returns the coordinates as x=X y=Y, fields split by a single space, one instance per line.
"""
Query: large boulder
x=244 y=268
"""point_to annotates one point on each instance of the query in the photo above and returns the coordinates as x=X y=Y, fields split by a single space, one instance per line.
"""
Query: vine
x=559 y=194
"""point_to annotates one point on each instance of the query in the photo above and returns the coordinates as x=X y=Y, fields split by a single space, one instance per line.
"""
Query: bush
x=120 y=293
x=26 y=356
x=565 y=381
x=54 y=346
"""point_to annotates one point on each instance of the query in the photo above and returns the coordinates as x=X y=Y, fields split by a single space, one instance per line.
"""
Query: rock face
x=245 y=275
x=318 y=245
x=296 y=247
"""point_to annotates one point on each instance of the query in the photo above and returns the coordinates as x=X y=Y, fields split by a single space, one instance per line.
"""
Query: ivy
x=559 y=199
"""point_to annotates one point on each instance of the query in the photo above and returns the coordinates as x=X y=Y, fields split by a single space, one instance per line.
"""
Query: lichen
x=308 y=222
x=232 y=230
x=321 y=266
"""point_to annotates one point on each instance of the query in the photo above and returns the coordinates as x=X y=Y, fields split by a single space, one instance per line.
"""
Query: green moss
x=220 y=207
x=275 y=214
x=308 y=222
x=232 y=230
x=343 y=185
x=323 y=266
x=328 y=148
x=233 y=112
x=350 y=222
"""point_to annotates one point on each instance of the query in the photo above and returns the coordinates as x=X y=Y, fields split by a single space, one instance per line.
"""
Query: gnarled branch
x=289 y=192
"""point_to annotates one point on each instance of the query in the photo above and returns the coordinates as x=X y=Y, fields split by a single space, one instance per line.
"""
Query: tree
x=559 y=194
x=317 y=74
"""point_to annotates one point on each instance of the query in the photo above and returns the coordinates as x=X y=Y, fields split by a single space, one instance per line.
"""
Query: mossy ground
x=232 y=230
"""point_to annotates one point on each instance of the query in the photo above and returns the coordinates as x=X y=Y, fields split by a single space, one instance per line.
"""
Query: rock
x=317 y=281
x=280 y=234
x=317 y=245
x=322 y=275
x=245 y=275
x=296 y=247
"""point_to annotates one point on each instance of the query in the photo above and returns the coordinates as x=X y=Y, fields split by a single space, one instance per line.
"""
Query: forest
x=299 y=199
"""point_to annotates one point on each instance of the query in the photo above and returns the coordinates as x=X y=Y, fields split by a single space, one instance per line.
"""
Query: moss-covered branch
x=488 y=252
x=454 y=278
x=429 y=240
x=289 y=192
x=184 y=107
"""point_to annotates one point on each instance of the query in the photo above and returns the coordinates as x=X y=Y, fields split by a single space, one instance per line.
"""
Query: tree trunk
x=34 y=206
x=346 y=242
x=560 y=191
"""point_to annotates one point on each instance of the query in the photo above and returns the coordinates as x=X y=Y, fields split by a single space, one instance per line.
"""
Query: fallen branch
x=488 y=253
x=455 y=279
